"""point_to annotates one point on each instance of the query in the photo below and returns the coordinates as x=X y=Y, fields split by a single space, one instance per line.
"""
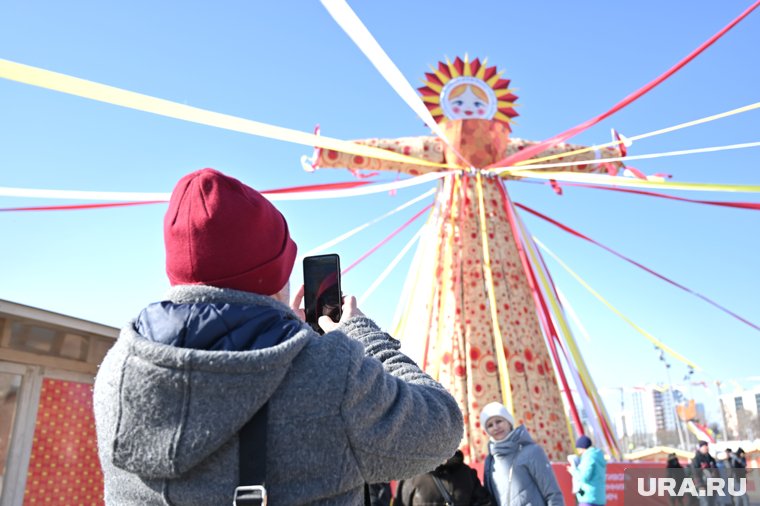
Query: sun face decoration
x=468 y=90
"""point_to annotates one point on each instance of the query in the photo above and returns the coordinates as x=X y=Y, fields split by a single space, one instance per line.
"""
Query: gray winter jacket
x=518 y=473
x=344 y=409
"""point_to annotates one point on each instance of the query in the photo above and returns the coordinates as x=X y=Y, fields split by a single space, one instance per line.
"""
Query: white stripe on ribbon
x=144 y=197
x=111 y=95
x=623 y=158
x=361 y=190
x=347 y=19
x=390 y=266
x=601 y=179
x=82 y=195
x=572 y=314
x=343 y=237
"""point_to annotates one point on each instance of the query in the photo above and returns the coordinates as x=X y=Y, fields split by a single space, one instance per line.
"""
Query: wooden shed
x=48 y=362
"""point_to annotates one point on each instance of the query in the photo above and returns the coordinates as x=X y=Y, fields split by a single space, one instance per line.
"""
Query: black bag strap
x=444 y=493
x=252 y=454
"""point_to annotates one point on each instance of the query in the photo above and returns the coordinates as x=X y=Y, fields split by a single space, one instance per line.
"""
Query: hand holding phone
x=322 y=293
x=349 y=310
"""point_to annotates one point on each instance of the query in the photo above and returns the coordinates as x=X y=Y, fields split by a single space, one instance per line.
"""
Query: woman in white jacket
x=517 y=472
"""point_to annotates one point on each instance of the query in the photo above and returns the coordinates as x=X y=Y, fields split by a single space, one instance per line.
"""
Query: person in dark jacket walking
x=676 y=473
x=703 y=467
x=738 y=467
x=738 y=462
x=172 y=395
x=740 y=458
x=459 y=481
x=517 y=472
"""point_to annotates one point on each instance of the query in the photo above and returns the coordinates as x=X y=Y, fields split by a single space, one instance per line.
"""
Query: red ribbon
x=388 y=238
x=541 y=307
x=740 y=205
x=445 y=215
x=541 y=146
x=317 y=187
x=611 y=441
x=637 y=264
x=292 y=189
x=74 y=207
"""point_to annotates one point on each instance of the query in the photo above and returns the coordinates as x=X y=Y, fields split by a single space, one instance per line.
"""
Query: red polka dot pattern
x=64 y=464
x=461 y=348
x=426 y=148
x=432 y=149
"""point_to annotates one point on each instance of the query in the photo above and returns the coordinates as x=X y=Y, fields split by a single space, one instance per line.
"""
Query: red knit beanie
x=222 y=233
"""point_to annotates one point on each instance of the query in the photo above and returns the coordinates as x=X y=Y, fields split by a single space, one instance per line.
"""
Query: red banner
x=615 y=479
x=64 y=464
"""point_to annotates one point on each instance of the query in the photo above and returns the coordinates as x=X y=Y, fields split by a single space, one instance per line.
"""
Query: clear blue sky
x=289 y=64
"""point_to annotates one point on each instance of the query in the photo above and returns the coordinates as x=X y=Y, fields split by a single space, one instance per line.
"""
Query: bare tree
x=668 y=438
x=746 y=424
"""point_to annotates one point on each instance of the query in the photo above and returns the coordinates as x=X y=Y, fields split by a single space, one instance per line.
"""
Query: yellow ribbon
x=506 y=390
x=430 y=244
x=443 y=282
x=659 y=344
x=559 y=318
x=648 y=156
x=579 y=177
x=116 y=96
x=661 y=131
x=411 y=286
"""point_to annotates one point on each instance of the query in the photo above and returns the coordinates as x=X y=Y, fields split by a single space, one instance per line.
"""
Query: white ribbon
x=144 y=197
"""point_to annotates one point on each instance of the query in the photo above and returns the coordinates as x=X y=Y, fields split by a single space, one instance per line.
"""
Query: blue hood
x=232 y=355
x=216 y=326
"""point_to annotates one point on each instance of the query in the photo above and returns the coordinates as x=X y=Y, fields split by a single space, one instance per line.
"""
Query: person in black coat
x=676 y=472
x=738 y=463
x=458 y=479
x=703 y=466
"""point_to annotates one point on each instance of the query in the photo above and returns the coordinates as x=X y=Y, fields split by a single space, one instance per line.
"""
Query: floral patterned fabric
x=481 y=142
x=473 y=351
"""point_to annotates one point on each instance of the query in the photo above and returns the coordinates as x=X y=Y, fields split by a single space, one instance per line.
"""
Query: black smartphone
x=321 y=289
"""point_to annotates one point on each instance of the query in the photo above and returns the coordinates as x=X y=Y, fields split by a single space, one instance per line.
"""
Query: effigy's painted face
x=468 y=105
x=468 y=98
x=468 y=89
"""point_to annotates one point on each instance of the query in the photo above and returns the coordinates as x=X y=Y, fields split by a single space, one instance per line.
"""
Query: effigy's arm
x=428 y=148
x=516 y=145
x=432 y=149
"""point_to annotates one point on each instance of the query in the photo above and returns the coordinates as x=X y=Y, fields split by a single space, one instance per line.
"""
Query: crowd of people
x=704 y=466
x=222 y=393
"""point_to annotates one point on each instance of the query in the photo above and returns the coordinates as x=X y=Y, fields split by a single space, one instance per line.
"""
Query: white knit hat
x=495 y=409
